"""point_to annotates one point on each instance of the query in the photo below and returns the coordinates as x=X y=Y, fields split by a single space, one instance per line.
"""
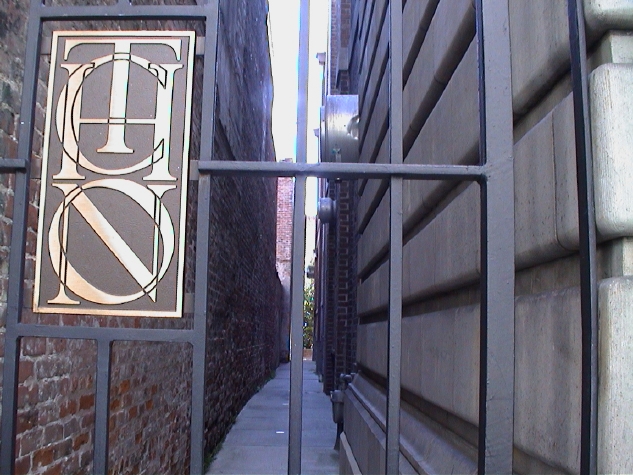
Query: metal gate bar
x=18 y=245
x=298 y=249
x=396 y=157
x=15 y=330
x=495 y=174
x=496 y=347
x=587 y=240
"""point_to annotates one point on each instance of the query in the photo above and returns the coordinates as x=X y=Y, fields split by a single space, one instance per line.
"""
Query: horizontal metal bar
x=125 y=12
x=10 y=165
x=103 y=333
x=345 y=170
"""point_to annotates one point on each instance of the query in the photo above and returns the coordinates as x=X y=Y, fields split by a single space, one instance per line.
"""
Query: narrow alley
x=258 y=442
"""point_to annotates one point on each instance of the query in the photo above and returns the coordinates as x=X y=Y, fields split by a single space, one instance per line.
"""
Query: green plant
x=308 y=314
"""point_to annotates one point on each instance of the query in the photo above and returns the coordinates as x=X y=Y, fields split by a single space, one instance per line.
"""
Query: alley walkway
x=258 y=442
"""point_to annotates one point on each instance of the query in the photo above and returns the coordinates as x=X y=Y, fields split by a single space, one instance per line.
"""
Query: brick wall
x=336 y=269
x=337 y=273
x=151 y=383
x=340 y=46
x=285 y=205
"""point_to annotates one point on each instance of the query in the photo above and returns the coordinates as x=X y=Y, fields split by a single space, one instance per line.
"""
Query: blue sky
x=284 y=39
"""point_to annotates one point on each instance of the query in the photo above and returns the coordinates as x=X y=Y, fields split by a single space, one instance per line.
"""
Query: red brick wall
x=336 y=301
x=337 y=273
x=151 y=383
x=285 y=209
x=285 y=200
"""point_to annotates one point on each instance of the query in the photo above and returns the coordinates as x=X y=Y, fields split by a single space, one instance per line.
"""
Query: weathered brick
x=23 y=465
x=86 y=401
x=25 y=370
x=80 y=440
x=33 y=346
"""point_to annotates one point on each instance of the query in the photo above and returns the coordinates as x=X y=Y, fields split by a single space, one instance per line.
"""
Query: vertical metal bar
x=18 y=245
x=9 y=409
x=394 y=354
x=298 y=251
x=587 y=230
x=296 y=328
x=102 y=407
x=496 y=384
x=202 y=241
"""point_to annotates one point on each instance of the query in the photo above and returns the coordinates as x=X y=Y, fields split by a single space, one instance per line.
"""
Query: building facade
x=151 y=384
x=442 y=251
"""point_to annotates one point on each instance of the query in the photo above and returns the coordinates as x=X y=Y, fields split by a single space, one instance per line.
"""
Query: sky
x=284 y=39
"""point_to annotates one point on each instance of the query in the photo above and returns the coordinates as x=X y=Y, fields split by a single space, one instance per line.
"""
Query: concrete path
x=258 y=442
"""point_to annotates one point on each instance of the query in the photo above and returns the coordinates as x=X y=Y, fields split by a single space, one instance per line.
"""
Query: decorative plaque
x=114 y=174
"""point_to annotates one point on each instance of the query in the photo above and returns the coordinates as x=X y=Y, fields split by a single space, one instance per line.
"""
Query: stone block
x=456 y=110
x=377 y=127
x=373 y=292
x=374 y=77
x=446 y=253
x=615 y=413
x=539 y=36
x=374 y=31
x=454 y=29
x=548 y=376
x=422 y=89
x=611 y=99
x=616 y=47
x=425 y=446
x=602 y=15
x=440 y=359
x=535 y=198
x=347 y=461
x=565 y=170
x=448 y=37
x=375 y=239
x=416 y=18
x=372 y=347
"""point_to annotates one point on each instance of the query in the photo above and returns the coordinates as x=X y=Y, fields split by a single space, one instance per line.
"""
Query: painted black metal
x=15 y=330
x=102 y=413
x=298 y=250
x=8 y=165
x=199 y=339
x=121 y=11
x=396 y=153
x=587 y=229
x=495 y=175
x=346 y=170
x=104 y=333
x=496 y=383
x=296 y=329
x=18 y=243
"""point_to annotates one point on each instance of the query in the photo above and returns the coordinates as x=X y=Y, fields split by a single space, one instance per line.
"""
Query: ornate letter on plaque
x=114 y=174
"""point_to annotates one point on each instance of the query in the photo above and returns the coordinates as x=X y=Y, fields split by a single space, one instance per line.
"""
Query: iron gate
x=494 y=174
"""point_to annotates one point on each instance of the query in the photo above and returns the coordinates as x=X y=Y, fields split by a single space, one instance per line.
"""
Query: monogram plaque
x=114 y=174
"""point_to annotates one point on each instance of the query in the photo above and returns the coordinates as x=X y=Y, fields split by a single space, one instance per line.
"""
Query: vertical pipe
x=587 y=230
x=202 y=240
x=496 y=384
x=298 y=250
x=18 y=244
x=102 y=407
x=394 y=351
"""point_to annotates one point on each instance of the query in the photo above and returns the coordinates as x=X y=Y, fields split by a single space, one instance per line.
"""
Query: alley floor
x=258 y=442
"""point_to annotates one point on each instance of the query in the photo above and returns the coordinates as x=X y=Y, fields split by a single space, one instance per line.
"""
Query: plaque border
x=184 y=177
